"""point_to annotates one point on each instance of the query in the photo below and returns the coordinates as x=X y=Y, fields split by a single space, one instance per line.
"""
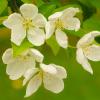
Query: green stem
x=70 y=46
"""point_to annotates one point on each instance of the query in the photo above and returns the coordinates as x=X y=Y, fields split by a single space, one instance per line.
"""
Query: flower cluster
x=25 y=65
x=37 y=29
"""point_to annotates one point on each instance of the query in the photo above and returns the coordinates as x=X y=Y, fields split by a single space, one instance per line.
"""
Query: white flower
x=29 y=23
x=62 y=20
x=17 y=66
x=51 y=75
x=86 y=49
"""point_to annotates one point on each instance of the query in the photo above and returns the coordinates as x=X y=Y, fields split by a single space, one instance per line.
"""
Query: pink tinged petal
x=18 y=34
x=19 y=66
x=71 y=23
x=93 y=53
x=50 y=28
x=36 y=36
x=29 y=11
x=33 y=85
x=61 y=38
x=38 y=56
x=28 y=74
x=39 y=21
x=55 y=16
x=81 y=59
x=7 y=56
x=48 y=69
x=53 y=83
x=13 y=20
x=61 y=71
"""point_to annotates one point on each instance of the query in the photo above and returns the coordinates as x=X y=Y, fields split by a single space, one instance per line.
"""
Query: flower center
x=27 y=23
x=86 y=50
x=59 y=24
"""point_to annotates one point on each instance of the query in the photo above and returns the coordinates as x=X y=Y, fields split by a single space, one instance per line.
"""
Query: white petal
x=7 y=56
x=37 y=55
x=95 y=33
x=33 y=85
x=81 y=59
x=61 y=71
x=39 y=21
x=93 y=53
x=71 y=23
x=50 y=28
x=12 y=77
x=53 y=83
x=28 y=74
x=36 y=36
x=18 y=67
x=13 y=19
x=61 y=38
x=48 y=69
x=29 y=10
x=70 y=12
x=18 y=34
x=87 y=39
x=55 y=16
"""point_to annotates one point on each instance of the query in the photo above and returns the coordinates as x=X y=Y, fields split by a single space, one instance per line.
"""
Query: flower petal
x=7 y=56
x=61 y=38
x=33 y=85
x=36 y=36
x=18 y=34
x=81 y=59
x=37 y=55
x=29 y=11
x=28 y=74
x=55 y=16
x=18 y=67
x=71 y=23
x=13 y=20
x=48 y=69
x=87 y=39
x=53 y=83
x=50 y=28
x=93 y=53
x=61 y=71
x=69 y=12
x=39 y=21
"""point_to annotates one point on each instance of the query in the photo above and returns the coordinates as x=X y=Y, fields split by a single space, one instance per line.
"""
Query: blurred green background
x=79 y=85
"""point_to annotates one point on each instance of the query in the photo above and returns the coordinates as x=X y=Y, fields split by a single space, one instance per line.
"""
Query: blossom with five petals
x=51 y=75
x=62 y=20
x=17 y=66
x=87 y=49
x=29 y=23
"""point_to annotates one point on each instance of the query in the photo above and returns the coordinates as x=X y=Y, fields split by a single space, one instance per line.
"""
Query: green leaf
x=3 y=5
x=27 y=1
x=2 y=19
x=56 y=2
x=79 y=33
x=47 y=9
x=53 y=45
x=95 y=3
x=39 y=2
x=92 y=23
x=67 y=6
x=17 y=50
